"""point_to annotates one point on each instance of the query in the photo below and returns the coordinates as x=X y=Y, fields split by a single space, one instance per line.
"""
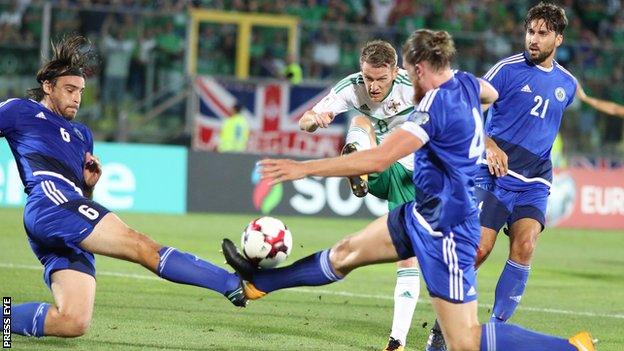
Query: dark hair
x=435 y=47
x=71 y=56
x=553 y=15
x=378 y=53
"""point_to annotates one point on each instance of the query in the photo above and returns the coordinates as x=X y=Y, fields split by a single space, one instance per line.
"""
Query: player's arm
x=398 y=144
x=323 y=113
x=604 y=106
x=310 y=121
x=488 y=94
x=496 y=158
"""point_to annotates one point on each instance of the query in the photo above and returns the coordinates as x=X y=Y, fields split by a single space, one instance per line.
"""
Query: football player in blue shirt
x=65 y=227
x=440 y=228
x=523 y=123
x=521 y=126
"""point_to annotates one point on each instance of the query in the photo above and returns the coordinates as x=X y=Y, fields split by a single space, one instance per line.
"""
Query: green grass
x=577 y=282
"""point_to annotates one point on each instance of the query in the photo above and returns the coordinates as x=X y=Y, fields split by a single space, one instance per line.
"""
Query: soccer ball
x=266 y=242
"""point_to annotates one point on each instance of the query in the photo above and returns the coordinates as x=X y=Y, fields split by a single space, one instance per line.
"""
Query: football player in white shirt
x=384 y=96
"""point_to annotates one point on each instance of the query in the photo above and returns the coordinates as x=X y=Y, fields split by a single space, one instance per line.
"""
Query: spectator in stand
x=326 y=54
x=234 y=132
x=117 y=48
x=292 y=71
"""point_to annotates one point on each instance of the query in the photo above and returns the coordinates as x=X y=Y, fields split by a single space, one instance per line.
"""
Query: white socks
x=359 y=137
x=406 y=295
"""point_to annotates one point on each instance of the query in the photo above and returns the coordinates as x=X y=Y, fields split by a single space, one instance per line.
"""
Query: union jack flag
x=273 y=110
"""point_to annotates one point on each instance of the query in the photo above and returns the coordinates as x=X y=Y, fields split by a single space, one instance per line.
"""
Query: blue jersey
x=525 y=119
x=448 y=121
x=44 y=144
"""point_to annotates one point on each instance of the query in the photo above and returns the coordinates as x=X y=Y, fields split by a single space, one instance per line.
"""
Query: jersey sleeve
x=497 y=76
x=8 y=116
x=418 y=125
x=572 y=92
x=336 y=102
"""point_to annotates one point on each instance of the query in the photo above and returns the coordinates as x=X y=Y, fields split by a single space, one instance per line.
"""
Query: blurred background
x=163 y=68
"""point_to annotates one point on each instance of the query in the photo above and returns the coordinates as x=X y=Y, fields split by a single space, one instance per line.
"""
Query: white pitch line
x=335 y=293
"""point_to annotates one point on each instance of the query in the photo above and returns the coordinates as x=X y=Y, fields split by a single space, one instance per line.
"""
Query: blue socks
x=313 y=270
x=509 y=291
x=184 y=268
x=509 y=337
x=28 y=318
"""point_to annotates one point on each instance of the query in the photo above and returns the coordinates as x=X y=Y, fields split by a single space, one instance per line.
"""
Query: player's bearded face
x=540 y=42
x=65 y=95
x=419 y=92
x=378 y=80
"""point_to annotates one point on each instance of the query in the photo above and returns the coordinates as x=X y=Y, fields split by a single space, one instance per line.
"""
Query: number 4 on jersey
x=477 y=145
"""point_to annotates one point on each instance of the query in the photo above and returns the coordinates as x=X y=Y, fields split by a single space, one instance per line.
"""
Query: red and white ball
x=266 y=242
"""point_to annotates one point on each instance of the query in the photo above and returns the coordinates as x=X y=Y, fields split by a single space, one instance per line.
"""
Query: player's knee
x=145 y=248
x=340 y=256
x=74 y=325
x=483 y=251
x=362 y=122
x=407 y=263
x=522 y=250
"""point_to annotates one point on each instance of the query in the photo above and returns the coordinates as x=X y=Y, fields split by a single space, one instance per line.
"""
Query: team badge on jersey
x=79 y=134
x=393 y=105
x=560 y=94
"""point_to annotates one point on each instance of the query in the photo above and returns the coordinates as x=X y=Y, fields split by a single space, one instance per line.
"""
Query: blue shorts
x=499 y=206
x=57 y=218
x=446 y=257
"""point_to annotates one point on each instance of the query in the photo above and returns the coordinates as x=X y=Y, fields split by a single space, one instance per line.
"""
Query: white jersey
x=351 y=94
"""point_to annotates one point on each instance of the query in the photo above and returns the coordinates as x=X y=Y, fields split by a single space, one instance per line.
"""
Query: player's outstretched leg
x=371 y=245
x=185 y=268
x=463 y=332
x=313 y=270
x=112 y=237
x=501 y=336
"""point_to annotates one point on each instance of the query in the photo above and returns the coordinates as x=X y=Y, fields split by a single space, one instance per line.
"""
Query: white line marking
x=332 y=292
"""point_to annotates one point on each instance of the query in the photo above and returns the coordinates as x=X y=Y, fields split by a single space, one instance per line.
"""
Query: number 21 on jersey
x=538 y=103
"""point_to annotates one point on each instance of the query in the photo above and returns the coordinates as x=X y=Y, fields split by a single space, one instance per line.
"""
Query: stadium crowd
x=137 y=35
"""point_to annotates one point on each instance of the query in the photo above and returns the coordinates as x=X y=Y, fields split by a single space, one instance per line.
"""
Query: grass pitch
x=576 y=283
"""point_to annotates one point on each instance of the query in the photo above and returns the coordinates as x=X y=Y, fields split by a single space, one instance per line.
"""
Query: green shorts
x=394 y=184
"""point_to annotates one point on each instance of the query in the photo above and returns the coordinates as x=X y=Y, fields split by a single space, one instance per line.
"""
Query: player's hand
x=281 y=170
x=92 y=170
x=313 y=121
x=324 y=119
x=496 y=158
